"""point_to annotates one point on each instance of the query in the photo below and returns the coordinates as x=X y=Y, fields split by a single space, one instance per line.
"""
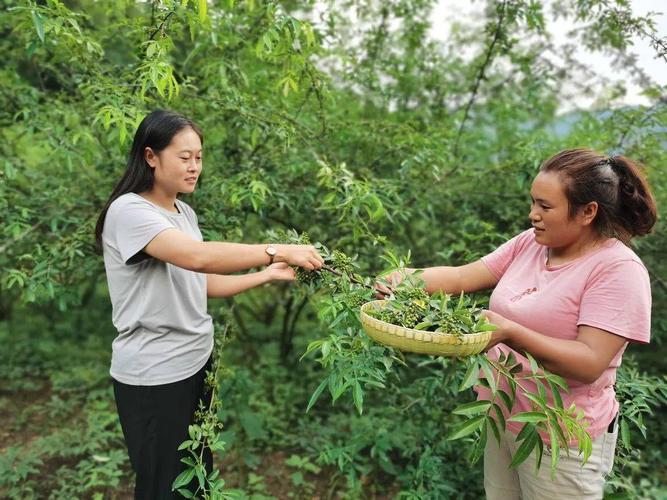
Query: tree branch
x=480 y=76
x=295 y=318
x=284 y=348
x=161 y=26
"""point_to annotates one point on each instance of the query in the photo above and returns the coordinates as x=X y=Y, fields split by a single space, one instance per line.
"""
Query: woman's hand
x=305 y=256
x=280 y=271
x=393 y=280
x=503 y=332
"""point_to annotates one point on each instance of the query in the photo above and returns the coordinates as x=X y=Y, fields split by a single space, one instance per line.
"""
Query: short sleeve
x=190 y=215
x=132 y=224
x=500 y=259
x=618 y=299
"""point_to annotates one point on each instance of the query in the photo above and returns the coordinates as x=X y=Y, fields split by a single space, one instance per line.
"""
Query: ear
x=588 y=212
x=150 y=157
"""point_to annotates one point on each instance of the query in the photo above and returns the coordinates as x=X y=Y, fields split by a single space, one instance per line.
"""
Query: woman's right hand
x=393 y=280
x=280 y=271
x=305 y=256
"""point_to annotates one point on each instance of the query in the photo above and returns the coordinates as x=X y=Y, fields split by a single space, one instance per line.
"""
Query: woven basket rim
x=471 y=337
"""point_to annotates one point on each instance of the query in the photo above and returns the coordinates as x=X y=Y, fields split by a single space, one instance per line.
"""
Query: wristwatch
x=271 y=251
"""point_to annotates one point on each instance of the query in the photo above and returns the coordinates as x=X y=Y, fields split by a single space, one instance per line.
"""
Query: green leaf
x=311 y=347
x=201 y=475
x=528 y=416
x=533 y=364
x=467 y=427
x=525 y=431
x=525 y=449
x=202 y=7
x=358 y=397
x=500 y=416
x=316 y=394
x=555 y=449
x=488 y=373
x=558 y=400
x=183 y=478
x=185 y=444
x=559 y=381
x=338 y=319
x=472 y=408
x=585 y=445
x=507 y=401
x=218 y=445
x=478 y=447
x=39 y=25
x=536 y=399
x=516 y=368
x=539 y=454
x=625 y=432
x=494 y=428
x=471 y=376
x=326 y=347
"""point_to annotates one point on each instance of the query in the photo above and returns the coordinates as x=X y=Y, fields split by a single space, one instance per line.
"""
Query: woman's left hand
x=280 y=271
x=503 y=331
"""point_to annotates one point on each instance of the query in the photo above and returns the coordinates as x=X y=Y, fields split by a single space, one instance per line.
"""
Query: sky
x=448 y=11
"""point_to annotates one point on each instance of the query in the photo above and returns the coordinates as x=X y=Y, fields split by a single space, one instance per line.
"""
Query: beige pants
x=571 y=481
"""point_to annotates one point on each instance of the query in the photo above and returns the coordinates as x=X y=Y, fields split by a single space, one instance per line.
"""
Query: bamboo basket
x=419 y=341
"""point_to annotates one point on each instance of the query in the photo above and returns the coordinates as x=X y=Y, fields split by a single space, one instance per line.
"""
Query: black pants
x=155 y=422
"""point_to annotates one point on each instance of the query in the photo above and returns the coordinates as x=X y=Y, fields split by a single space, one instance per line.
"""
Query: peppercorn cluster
x=342 y=262
x=354 y=299
x=412 y=307
x=306 y=277
x=408 y=309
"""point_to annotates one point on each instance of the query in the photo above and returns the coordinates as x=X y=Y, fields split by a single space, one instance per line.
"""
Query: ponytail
x=636 y=211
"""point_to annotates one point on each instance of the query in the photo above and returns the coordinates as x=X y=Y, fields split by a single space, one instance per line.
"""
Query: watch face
x=271 y=250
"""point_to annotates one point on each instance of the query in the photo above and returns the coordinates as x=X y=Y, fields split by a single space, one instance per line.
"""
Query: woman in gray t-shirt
x=160 y=273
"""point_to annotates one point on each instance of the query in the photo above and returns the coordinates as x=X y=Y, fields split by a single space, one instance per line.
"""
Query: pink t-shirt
x=608 y=288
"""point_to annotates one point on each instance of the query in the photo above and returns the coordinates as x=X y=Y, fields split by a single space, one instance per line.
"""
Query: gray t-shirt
x=164 y=332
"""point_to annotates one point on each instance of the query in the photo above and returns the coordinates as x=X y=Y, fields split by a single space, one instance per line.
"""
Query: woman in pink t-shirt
x=572 y=294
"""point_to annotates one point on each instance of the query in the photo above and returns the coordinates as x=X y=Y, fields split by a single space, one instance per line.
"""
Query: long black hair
x=155 y=131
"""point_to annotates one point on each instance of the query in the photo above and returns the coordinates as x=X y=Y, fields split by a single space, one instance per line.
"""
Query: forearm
x=226 y=286
x=454 y=280
x=568 y=358
x=442 y=278
x=215 y=257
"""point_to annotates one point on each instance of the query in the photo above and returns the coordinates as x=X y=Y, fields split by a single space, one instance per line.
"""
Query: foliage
x=205 y=434
x=412 y=307
x=342 y=119
x=548 y=418
x=638 y=393
x=63 y=438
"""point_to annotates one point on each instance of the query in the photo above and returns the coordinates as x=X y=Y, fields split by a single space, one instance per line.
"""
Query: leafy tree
x=343 y=119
